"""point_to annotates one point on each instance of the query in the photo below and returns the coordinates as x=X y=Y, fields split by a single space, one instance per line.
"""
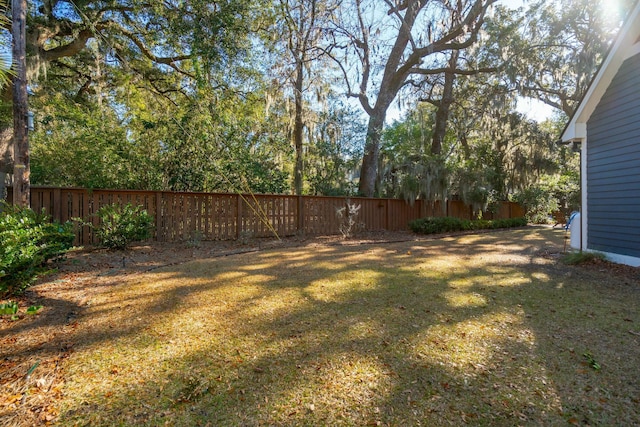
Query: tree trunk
x=298 y=127
x=6 y=132
x=21 y=169
x=369 y=170
x=444 y=106
x=3 y=189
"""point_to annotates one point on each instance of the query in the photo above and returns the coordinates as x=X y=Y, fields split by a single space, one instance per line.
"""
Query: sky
x=534 y=109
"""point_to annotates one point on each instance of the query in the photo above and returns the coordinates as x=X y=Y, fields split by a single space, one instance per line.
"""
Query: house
x=606 y=126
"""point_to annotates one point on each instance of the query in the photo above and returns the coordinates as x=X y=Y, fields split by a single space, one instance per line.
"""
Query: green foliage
x=434 y=225
x=581 y=257
x=214 y=142
x=591 y=361
x=408 y=169
x=10 y=308
x=5 y=45
x=539 y=202
x=80 y=145
x=33 y=309
x=29 y=240
x=194 y=118
x=333 y=151
x=491 y=152
x=121 y=225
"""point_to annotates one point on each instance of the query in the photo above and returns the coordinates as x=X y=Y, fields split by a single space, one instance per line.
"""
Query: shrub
x=121 y=225
x=539 y=202
x=433 y=225
x=29 y=240
x=508 y=223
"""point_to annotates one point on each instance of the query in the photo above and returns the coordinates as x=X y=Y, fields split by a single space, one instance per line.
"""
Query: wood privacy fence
x=183 y=216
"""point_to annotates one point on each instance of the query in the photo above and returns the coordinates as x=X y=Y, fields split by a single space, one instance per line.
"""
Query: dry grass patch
x=481 y=329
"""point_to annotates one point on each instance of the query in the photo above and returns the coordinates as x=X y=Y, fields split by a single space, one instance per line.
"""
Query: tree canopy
x=294 y=95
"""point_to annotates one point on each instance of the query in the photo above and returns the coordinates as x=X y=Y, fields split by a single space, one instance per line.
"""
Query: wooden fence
x=214 y=216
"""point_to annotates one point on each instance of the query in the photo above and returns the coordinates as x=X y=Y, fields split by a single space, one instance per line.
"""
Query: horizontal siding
x=615 y=244
x=621 y=204
x=614 y=188
x=613 y=165
x=627 y=150
x=618 y=129
x=626 y=169
x=627 y=239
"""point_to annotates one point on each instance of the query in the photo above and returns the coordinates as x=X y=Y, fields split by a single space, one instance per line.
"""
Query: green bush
x=539 y=202
x=121 y=225
x=29 y=240
x=508 y=223
x=433 y=225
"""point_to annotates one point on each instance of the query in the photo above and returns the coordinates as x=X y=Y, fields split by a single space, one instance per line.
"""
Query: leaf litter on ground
x=478 y=329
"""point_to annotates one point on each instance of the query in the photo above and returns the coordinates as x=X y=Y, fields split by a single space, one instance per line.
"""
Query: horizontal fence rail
x=181 y=216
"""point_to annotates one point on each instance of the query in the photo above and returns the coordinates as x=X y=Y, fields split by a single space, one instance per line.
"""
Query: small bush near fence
x=433 y=225
x=29 y=240
x=121 y=225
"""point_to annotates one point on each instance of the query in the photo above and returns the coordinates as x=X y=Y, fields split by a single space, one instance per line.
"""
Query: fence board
x=218 y=216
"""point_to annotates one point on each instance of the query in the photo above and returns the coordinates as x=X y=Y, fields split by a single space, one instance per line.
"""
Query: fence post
x=300 y=216
x=159 y=231
x=88 y=232
x=387 y=214
x=238 y=215
x=57 y=205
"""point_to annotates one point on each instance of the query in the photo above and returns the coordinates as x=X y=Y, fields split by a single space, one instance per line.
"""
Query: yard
x=478 y=329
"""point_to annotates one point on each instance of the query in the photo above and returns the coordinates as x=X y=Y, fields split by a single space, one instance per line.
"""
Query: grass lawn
x=488 y=329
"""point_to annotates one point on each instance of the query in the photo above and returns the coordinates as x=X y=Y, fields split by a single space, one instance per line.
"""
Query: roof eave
x=575 y=131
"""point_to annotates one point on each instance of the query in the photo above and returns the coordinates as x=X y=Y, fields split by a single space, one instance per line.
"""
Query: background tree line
x=284 y=96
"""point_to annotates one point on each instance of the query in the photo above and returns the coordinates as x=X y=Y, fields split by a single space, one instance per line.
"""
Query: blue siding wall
x=613 y=165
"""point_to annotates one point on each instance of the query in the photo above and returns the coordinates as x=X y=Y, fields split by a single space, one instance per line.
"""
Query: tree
x=489 y=152
x=161 y=46
x=334 y=155
x=212 y=141
x=299 y=63
x=421 y=32
x=21 y=167
x=6 y=154
x=554 y=52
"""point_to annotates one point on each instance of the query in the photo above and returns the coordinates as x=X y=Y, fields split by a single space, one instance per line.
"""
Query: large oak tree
x=392 y=43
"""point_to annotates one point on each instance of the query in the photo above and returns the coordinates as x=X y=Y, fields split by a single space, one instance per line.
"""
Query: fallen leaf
x=12 y=398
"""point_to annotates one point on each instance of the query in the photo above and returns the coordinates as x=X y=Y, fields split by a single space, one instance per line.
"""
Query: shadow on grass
x=479 y=329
